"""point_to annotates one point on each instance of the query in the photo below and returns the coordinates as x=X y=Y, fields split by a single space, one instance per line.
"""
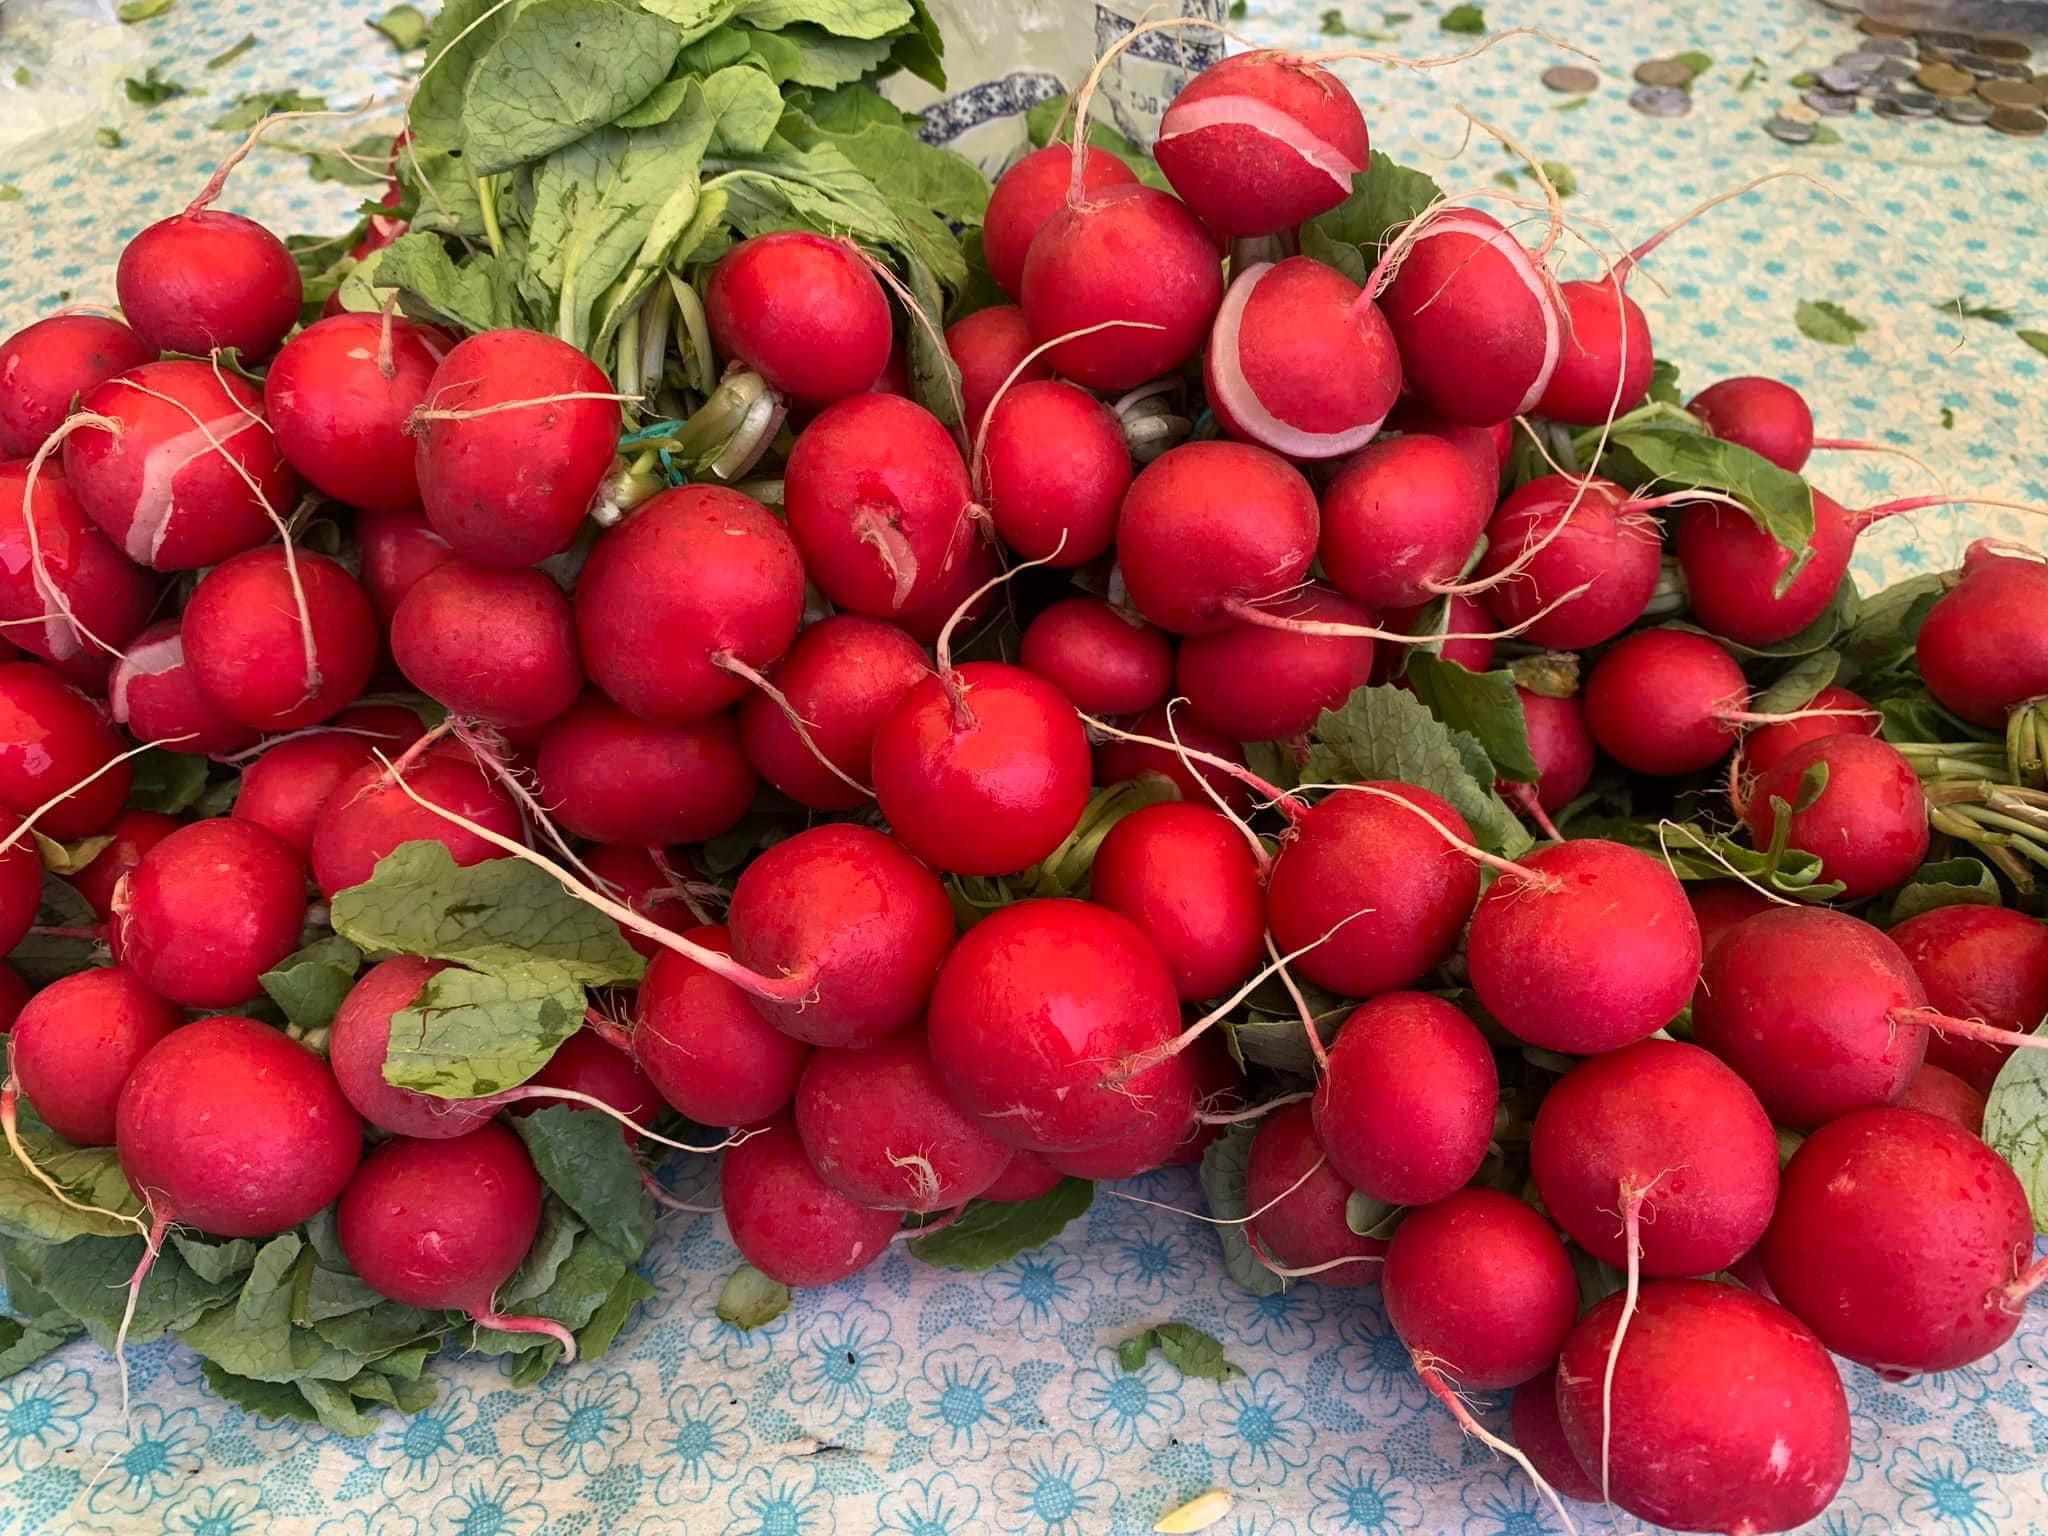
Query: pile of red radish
x=619 y=691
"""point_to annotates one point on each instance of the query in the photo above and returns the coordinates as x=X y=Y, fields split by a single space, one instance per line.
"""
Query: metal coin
x=1965 y=109
x=1660 y=100
x=1829 y=103
x=1788 y=132
x=1799 y=112
x=1870 y=26
x=2011 y=93
x=2003 y=48
x=2006 y=69
x=1946 y=79
x=2019 y=122
x=1843 y=81
x=1862 y=60
x=1891 y=47
x=1895 y=69
x=1572 y=79
x=1888 y=106
x=1977 y=65
x=1663 y=72
x=1916 y=103
x=1953 y=42
x=1843 y=5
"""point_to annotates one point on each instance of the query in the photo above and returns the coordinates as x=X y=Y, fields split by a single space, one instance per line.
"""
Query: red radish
x=615 y=778
x=1763 y=415
x=368 y=815
x=229 y=1127
x=1259 y=142
x=877 y=496
x=1054 y=470
x=1219 y=1084
x=360 y=1039
x=982 y=769
x=1025 y=1177
x=1151 y=1138
x=1903 y=1241
x=77 y=1041
x=588 y=1064
x=802 y=311
x=398 y=548
x=21 y=882
x=1718 y=905
x=1031 y=192
x=1131 y=255
x=152 y=692
x=1603 y=370
x=1400 y=893
x=1464 y=618
x=207 y=911
x=1301 y=361
x=203 y=279
x=706 y=1048
x=1561 y=745
x=1406 y=1103
x=495 y=644
x=339 y=395
x=1254 y=682
x=14 y=995
x=515 y=436
x=1868 y=824
x=1479 y=1287
x=1944 y=1095
x=1299 y=1206
x=787 y=1221
x=67 y=586
x=987 y=346
x=1032 y=1012
x=134 y=833
x=191 y=477
x=855 y=925
x=1831 y=712
x=1725 y=1413
x=279 y=641
x=965 y=591
x=842 y=677
x=1733 y=569
x=878 y=1127
x=1488 y=447
x=1211 y=528
x=1601 y=957
x=679 y=602
x=1117 y=760
x=1105 y=659
x=1809 y=1006
x=1539 y=1435
x=1185 y=875
x=52 y=740
x=441 y=1225
x=1603 y=543
x=1984 y=963
x=286 y=789
x=650 y=889
x=47 y=365
x=1660 y=702
x=1981 y=650
x=1402 y=518
x=1475 y=318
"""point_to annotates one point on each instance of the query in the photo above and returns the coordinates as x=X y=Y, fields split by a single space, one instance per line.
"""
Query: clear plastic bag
x=61 y=67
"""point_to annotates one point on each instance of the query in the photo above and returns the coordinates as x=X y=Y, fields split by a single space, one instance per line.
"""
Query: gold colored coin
x=2020 y=94
x=2009 y=48
x=1869 y=26
x=1798 y=112
x=1663 y=72
x=2019 y=122
x=1945 y=79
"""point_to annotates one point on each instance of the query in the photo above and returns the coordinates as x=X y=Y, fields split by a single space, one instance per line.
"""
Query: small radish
x=987 y=347
x=1733 y=570
x=1151 y=1138
x=1259 y=142
x=841 y=678
x=191 y=474
x=1831 y=712
x=1026 y=1176
x=1401 y=520
x=1299 y=1201
x=1867 y=824
x=1944 y=1095
x=76 y=1042
x=398 y=548
x=134 y=833
x=1211 y=528
x=1301 y=361
x=203 y=279
x=339 y=395
x=966 y=589
x=1604 y=543
x=1562 y=746
x=615 y=778
x=853 y=925
x=1665 y=702
x=1405 y=1107
x=53 y=740
x=802 y=311
x=1986 y=963
x=1603 y=370
x=360 y=1039
x=515 y=436
x=1054 y=469
x=485 y=641
x=207 y=911
x=1539 y=1435
x=1903 y=1241
x=279 y=641
x=1118 y=760
x=1185 y=875
x=1254 y=682
x=787 y=1221
x=368 y=815
x=1815 y=1010
x=1464 y=618
x=1488 y=447
x=1718 y=905
x=1763 y=415
x=1981 y=650
x=288 y=786
x=1105 y=659
x=152 y=692
x=646 y=884
x=47 y=365
x=70 y=594
x=1128 y=254
x=1599 y=957
x=1031 y=192
x=588 y=1064
x=21 y=882
x=707 y=1049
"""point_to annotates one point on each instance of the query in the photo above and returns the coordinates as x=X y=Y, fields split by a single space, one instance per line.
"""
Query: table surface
x=912 y=1400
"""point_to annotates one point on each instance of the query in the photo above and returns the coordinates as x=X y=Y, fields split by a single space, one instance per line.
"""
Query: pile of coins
x=1907 y=74
x=1663 y=88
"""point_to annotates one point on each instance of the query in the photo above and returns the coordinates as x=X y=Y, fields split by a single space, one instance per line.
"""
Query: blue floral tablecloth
x=926 y=1403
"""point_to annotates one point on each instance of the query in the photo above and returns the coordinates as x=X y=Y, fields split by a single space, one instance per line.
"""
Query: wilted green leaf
x=749 y=1299
x=1464 y=18
x=2016 y=1124
x=1823 y=321
x=1484 y=704
x=132 y=11
x=1183 y=1346
x=153 y=90
x=251 y=109
x=310 y=984
x=992 y=1231
x=582 y=1156
x=405 y=25
x=1225 y=1166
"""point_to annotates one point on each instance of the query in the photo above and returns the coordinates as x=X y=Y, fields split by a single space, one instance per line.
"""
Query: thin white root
x=28 y=822
x=1432 y=1377
x=46 y=586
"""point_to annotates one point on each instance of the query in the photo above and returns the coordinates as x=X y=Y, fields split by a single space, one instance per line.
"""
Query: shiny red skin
x=1151 y=1138
x=488 y=642
x=1561 y=745
x=1480 y=1285
x=106 y=592
x=1607 y=958
x=77 y=1040
x=802 y=311
x=21 y=883
x=341 y=418
x=696 y=573
x=1185 y=875
x=1310 y=352
x=287 y=788
x=1401 y=893
x=1465 y=616
x=366 y=818
x=14 y=995
x=441 y=1224
x=975 y=564
x=1988 y=963
x=1731 y=569
x=1405 y=1107
x=706 y=1048
x=205 y=279
x=1117 y=761
x=635 y=881
x=1402 y=513
x=1655 y=702
x=1717 y=906
x=1831 y=712
x=1727 y=1413
x=863 y=1115
x=51 y=737
x=1943 y=1094
x=45 y=366
x=1034 y=1010
x=1471 y=333
x=587 y=1063
x=200 y=508
x=615 y=778
x=152 y=693
x=246 y=649
x=987 y=785
x=1025 y=1177
x=787 y=1221
x=232 y=1128
x=987 y=346
x=1981 y=649
x=134 y=833
x=360 y=1039
x=843 y=676
x=1105 y=659
x=1032 y=191
x=1868 y=825
x=398 y=548
x=208 y=910
x=1487 y=446
x=512 y=487
x=1210 y=524
x=1603 y=543
x=1054 y=472
x=1603 y=368
x=1539 y=1435
x=850 y=908
x=1256 y=683
x=1895 y=1236
x=1763 y=415
x=1301 y=1219
x=1800 y=1001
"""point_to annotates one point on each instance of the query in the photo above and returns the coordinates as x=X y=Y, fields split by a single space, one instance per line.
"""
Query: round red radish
x=152 y=692
x=1169 y=1094
x=1032 y=191
x=1117 y=761
x=21 y=882
x=398 y=548
x=1762 y=415
x=1299 y=1200
x=1615 y=553
x=588 y=1064
x=965 y=590
x=1658 y=702
x=360 y=1039
x=77 y=1040
x=488 y=642
x=787 y=1221
x=134 y=833
x=339 y=396
x=802 y=311
x=1488 y=447
x=1256 y=683
x=368 y=815
x=1464 y=616
x=1105 y=659
x=1718 y=905
x=47 y=365
x=73 y=586
x=631 y=876
x=246 y=637
x=1539 y=1435
x=1025 y=1177
x=204 y=279
x=1732 y=571
x=1128 y=254
x=987 y=346
x=1054 y=471
x=1831 y=712
x=517 y=432
x=52 y=740
x=1402 y=517
x=843 y=676
x=1944 y=1095
x=1604 y=368
x=1985 y=963
x=1868 y=823
x=878 y=1127
x=285 y=790
x=1186 y=876
x=707 y=1049
x=615 y=778
x=1561 y=745
x=208 y=910
x=1981 y=650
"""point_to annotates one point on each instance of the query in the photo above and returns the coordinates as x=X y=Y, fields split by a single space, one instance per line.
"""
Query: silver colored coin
x=1888 y=106
x=1862 y=60
x=1916 y=103
x=1571 y=79
x=1842 y=80
x=1786 y=131
x=1829 y=103
x=1954 y=42
x=2008 y=69
x=1853 y=7
x=1895 y=69
x=1660 y=100
x=1969 y=110
x=1890 y=47
x=1977 y=65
